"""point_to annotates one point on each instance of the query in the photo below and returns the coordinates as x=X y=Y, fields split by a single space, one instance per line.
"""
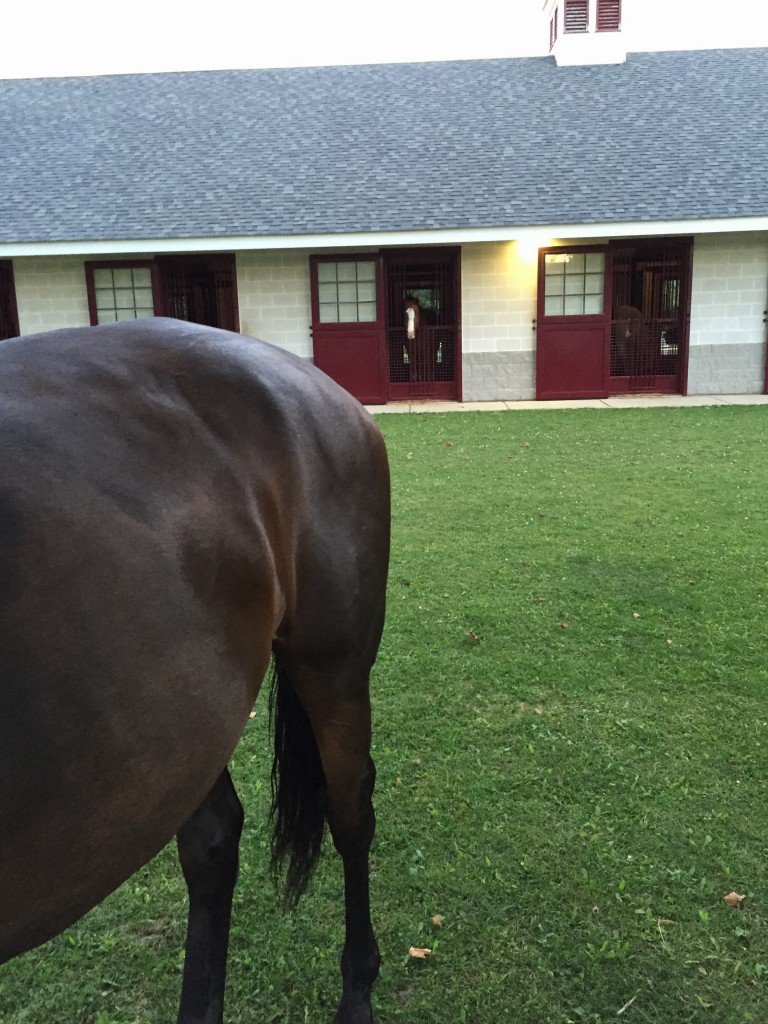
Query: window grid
x=122 y=293
x=346 y=291
x=574 y=283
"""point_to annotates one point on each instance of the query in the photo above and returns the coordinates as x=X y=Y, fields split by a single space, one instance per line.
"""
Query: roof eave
x=440 y=236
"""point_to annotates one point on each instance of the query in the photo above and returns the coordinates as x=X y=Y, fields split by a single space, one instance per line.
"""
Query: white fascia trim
x=444 y=236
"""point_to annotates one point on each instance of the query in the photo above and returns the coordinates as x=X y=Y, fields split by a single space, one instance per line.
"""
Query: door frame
x=415 y=255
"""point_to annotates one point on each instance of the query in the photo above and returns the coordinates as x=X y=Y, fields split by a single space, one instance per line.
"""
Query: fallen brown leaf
x=437 y=920
x=472 y=635
x=635 y=615
x=419 y=954
x=564 y=625
x=252 y=714
x=733 y=899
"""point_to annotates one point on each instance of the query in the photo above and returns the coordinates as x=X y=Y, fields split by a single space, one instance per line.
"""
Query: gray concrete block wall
x=498 y=376
x=731 y=369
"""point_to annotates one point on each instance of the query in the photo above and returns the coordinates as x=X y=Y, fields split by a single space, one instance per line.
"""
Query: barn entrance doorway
x=9 y=317
x=201 y=289
x=613 y=319
x=422 y=323
x=649 y=316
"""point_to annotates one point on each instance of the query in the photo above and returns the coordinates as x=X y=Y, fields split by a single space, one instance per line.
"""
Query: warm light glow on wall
x=528 y=246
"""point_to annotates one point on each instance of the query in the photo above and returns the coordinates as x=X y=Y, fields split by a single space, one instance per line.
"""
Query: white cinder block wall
x=50 y=293
x=274 y=299
x=498 y=304
x=729 y=293
x=498 y=297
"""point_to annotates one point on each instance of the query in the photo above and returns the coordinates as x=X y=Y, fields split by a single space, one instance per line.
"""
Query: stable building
x=589 y=223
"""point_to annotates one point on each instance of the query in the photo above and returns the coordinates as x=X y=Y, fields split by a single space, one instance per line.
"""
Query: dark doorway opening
x=426 y=364
x=9 y=317
x=201 y=289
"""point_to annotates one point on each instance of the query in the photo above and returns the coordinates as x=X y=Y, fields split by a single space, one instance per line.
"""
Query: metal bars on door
x=426 y=362
x=648 y=315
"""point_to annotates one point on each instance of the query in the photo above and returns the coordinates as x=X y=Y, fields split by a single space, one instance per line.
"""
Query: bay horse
x=179 y=506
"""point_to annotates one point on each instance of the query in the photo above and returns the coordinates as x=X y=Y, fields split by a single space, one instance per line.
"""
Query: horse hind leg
x=323 y=723
x=208 y=851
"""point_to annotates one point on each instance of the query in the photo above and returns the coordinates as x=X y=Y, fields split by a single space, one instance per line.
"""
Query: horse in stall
x=420 y=343
x=179 y=506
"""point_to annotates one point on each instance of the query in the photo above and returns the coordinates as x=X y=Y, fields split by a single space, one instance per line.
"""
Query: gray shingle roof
x=384 y=147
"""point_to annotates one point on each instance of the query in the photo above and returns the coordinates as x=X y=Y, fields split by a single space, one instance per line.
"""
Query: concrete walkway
x=622 y=402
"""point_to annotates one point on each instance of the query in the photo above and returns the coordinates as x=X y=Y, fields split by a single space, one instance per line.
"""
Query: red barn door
x=9 y=317
x=573 y=323
x=348 y=323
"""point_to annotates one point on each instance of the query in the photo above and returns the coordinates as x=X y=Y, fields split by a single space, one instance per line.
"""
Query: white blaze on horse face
x=410 y=316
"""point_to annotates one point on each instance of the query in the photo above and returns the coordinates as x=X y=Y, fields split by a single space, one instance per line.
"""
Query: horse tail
x=298 y=809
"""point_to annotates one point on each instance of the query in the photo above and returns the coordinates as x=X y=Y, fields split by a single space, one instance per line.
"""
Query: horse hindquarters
x=324 y=654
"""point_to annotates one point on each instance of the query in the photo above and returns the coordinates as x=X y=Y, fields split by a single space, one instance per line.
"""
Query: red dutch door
x=348 y=323
x=573 y=323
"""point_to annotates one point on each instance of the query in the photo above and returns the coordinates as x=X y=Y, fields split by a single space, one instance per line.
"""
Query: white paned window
x=574 y=283
x=346 y=291
x=122 y=293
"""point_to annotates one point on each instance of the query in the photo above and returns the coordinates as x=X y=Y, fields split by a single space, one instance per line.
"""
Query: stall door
x=9 y=319
x=348 y=324
x=423 y=361
x=201 y=289
x=573 y=324
x=650 y=315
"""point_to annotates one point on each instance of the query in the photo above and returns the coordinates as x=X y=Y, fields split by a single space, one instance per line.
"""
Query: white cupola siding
x=586 y=31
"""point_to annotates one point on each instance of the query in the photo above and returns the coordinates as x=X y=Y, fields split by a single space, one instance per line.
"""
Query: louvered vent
x=576 y=15
x=553 y=29
x=608 y=15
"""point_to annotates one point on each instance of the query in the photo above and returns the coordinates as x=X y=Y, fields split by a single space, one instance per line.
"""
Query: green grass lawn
x=572 y=742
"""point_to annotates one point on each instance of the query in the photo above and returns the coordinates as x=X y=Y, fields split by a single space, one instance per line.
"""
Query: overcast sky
x=83 y=37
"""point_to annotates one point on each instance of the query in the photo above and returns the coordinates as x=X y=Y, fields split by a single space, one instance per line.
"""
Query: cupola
x=585 y=31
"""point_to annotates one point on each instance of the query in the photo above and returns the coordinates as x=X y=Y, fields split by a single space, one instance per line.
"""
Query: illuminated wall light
x=528 y=246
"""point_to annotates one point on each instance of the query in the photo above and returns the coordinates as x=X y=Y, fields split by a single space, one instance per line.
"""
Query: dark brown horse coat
x=176 y=502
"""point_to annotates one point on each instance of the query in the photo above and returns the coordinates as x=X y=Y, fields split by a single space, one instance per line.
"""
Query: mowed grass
x=571 y=732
